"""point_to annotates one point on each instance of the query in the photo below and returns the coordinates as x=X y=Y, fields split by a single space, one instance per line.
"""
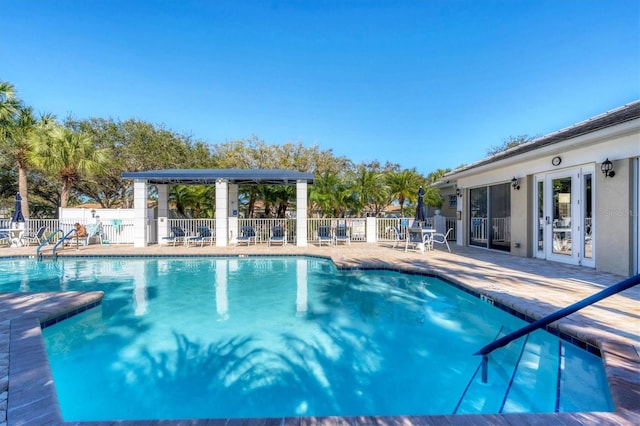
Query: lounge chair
x=342 y=235
x=177 y=235
x=324 y=234
x=418 y=240
x=441 y=238
x=94 y=230
x=247 y=234
x=278 y=236
x=37 y=238
x=205 y=235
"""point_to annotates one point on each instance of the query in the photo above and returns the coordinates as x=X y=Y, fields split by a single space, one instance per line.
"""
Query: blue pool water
x=270 y=337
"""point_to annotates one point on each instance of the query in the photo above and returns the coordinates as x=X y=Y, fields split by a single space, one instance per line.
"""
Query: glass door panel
x=561 y=216
x=479 y=217
x=500 y=214
x=541 y=219
x=587 y=205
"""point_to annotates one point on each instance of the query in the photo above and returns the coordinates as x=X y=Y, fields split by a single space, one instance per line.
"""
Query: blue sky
x=427 y=84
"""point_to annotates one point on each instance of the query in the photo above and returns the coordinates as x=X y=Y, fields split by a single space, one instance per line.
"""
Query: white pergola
x=227 y=182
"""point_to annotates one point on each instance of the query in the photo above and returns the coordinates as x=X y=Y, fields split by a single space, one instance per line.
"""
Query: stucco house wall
x=614 y=214
x=582 y=149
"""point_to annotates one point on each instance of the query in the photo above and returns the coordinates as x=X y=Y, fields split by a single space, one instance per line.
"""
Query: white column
x=140 y=213
x=222 y=213
x=163 y=212
x=301 y=213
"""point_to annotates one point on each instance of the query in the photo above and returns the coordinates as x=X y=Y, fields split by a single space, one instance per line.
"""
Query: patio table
x=16 y=236
x=423 y=232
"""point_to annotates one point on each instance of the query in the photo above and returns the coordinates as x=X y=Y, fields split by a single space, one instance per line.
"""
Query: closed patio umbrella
x=420 y=210
x=17 y=214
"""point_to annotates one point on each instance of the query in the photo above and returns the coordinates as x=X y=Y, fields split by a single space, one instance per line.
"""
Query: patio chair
x=205 y=235
x=342 y=235
x=278 y=236
x=324 y=235
x=247 y=234
x=397 y=235
x=177 y=235
x=5 y=238
x=441 y=238
x=36 y=237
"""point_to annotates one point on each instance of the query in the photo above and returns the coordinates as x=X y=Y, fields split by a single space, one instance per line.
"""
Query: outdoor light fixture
x=607 y=168
x=458 y=192
x=93 y=213
x=515 y=184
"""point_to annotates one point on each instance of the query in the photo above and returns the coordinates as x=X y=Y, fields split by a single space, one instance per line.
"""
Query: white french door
x=564 y=211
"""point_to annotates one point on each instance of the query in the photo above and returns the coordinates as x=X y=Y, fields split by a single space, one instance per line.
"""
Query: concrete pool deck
x=532 y=287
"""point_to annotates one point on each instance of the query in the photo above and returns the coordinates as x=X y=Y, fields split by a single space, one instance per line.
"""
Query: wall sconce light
x=607 y=168
x=515 y=184
x=458 y=192
x=93 y=213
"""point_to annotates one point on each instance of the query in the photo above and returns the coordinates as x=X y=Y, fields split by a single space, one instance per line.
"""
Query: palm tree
x=9 y=103
x=21 y=136
x=370 y=190
x=322 y=193
x=69 y=156
x=403 y=185
x=197 y=201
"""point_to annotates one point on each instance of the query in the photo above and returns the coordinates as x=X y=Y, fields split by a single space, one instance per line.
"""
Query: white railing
x=356 y=227
x=478 y=231
x=500 y=229
x=121 y=231
x=189 y=226
x=264 y=227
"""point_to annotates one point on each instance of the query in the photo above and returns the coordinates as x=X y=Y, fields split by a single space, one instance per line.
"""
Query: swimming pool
x=256 y=337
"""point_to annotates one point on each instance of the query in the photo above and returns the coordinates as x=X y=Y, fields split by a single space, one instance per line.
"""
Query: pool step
x=529 y=391
x=515 y=384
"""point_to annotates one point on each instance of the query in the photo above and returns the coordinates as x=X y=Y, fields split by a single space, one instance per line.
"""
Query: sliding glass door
x=490 y=217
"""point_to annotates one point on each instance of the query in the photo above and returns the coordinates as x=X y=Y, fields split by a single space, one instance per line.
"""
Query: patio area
x=532 y=287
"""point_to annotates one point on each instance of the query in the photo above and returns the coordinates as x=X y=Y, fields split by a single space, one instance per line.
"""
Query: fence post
x=372 y=230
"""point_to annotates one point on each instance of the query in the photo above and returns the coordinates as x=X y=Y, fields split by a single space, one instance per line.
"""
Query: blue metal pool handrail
x=46 y=241
x=603 y=294
x=60 y=241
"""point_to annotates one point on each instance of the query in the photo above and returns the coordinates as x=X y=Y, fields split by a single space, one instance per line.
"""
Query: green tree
x=370 y=190
x=22 y=136
x=70 y=157
x=321 y=193
x=193 y=201
x=403 y=186
x=9 y=102
x=508 y=143
x=134 y=145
